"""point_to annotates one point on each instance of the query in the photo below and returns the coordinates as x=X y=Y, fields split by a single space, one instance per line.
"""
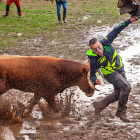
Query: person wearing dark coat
x=102 y=54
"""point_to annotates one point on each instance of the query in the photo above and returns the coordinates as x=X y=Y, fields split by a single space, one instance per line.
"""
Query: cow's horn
x=91 y=85
x=88 y=78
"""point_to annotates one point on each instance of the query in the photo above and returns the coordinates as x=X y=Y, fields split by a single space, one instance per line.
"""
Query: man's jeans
x=64 y=4
x=122 y=87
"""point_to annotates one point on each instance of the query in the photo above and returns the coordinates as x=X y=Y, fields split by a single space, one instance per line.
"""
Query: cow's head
x=85 y=84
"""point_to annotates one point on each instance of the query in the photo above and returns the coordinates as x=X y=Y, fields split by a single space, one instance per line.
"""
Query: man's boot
x=19 y=15
x=121 y=113
x=6 y=14
x=19 y=12
x=137 y=14
x=7 y=11
x=126 y=9
x=129 y=8
x=99 y=106
x=64 y=19
x=59 y=20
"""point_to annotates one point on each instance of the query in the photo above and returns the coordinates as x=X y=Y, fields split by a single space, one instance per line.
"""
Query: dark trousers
x=122 y=88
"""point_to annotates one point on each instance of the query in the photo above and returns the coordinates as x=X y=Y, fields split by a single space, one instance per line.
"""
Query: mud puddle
x=81 y=123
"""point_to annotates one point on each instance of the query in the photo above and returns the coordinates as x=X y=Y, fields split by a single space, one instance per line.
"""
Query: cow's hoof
x=15 y=119
x=57 y=115
x=26 y=112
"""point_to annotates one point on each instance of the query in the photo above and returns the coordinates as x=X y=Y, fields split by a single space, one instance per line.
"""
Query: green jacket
x=110 y=61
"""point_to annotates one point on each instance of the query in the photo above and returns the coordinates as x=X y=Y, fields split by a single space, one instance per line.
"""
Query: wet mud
x=77 y=119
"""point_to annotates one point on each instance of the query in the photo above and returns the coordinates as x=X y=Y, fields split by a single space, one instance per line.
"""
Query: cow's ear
x=84 y=71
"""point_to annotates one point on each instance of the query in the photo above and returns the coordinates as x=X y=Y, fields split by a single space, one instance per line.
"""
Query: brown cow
x=44 y=76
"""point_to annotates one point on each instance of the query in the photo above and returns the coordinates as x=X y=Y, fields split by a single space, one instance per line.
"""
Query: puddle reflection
x=10 y=132
x=29 y=125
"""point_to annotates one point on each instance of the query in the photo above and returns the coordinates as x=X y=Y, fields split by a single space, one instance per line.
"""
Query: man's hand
x=98 y=81
x=132 y=19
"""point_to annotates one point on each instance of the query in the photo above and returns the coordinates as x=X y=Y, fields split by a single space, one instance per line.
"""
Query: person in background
x=103 y=55
x=17 y=3
x=58 y=5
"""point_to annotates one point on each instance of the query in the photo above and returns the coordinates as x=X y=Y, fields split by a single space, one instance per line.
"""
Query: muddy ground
x=80 y=122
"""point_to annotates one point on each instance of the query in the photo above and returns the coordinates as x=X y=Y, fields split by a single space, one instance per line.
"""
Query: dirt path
x=82 y=123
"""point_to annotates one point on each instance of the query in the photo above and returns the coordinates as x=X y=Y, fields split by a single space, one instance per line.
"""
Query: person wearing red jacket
x=17 y=3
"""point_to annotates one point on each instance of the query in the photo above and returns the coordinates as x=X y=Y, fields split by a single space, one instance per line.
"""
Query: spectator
x=58 y=5
x=17 y=3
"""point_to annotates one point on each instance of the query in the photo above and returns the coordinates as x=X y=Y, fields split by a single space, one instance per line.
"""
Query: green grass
x=39 y=18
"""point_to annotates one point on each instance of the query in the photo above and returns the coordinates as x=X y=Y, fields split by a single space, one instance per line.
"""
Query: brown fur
x=44 y=76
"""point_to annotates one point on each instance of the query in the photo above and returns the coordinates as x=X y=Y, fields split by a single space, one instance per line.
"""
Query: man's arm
x=116 y=30
x=93 y=77
x=93 y=69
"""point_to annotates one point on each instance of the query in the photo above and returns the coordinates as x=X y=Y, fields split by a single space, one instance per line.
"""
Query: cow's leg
x=32 y=102
x=51 y=102
x=3 y=87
